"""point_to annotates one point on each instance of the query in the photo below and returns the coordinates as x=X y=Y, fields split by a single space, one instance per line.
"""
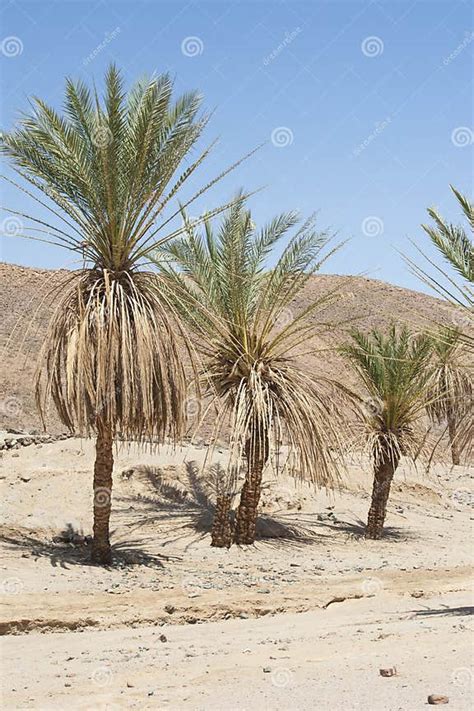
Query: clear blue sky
x=369 y=103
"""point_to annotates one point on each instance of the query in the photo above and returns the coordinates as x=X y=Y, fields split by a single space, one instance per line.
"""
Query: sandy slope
x=94 y=635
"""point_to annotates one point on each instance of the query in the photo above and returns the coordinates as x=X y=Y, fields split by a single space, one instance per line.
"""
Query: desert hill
x=28 y=298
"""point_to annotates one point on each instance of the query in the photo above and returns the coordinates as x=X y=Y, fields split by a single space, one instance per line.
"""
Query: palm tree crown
x=394 y=369
x=109 y=169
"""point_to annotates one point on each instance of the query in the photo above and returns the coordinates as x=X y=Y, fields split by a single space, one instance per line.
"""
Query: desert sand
x=305 y=619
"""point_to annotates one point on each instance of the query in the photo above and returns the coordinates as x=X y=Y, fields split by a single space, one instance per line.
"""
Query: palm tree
x=457 y=247
x=247 y=338
x=451 y=385
x=109 y=168
x=394 y=370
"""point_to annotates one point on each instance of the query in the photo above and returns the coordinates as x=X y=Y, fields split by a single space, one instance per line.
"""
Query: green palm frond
x=457 y=248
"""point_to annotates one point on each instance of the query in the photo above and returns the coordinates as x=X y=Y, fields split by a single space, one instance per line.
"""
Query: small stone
x=170 y=609
x=129 y=685
x=163 y=638
x=266 y=670
x=24 y=477
x=435 y=699
x=390 y=671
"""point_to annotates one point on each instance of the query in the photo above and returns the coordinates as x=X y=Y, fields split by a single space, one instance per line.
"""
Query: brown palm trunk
x=383 y=475
x=246 y=518
x=104 y=462
x=452 y=429
x=221 y=534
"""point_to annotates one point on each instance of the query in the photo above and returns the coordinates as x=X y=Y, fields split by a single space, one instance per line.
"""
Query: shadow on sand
x=63 y=553
x=186 y=511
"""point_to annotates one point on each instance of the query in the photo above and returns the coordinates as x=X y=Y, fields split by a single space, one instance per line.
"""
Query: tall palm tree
x=394 y=370
x=109 y=168
x=247 y=339
x=451 y=386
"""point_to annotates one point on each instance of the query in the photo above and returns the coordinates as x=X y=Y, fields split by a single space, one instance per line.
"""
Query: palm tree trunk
x=104 y=462
x=452 y=429
x=221 y=534
x=246 y=518
x=383 y=475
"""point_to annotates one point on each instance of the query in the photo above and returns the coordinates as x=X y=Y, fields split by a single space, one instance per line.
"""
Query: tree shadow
x=63 y=553
x=446 y=611
x=187 y=511
x=357 y=527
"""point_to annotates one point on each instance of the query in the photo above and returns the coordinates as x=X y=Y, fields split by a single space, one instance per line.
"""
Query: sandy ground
x=302 y=620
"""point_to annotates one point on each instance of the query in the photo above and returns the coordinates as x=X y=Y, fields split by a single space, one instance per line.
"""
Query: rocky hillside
x=29 y=296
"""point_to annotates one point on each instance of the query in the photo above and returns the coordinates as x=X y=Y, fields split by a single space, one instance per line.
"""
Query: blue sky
x=365 y=108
